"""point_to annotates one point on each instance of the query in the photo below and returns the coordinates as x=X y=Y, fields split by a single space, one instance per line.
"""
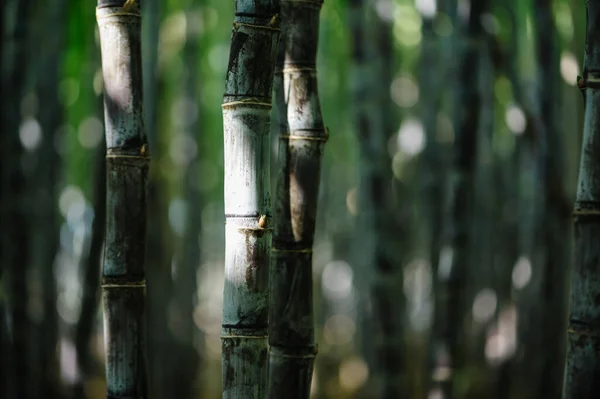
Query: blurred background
x=515 y=69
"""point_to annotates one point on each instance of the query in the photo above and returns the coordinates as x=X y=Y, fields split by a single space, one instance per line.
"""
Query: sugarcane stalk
x=246 y=120
x=582 y=368
x=301 y=142
x=127 y=163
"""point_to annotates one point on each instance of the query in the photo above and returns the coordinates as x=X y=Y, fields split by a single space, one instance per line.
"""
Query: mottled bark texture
x=302 y=140
x=582 y=369
x=127 y=161
x=457 y=237
x=246 y=120
x=378 y=240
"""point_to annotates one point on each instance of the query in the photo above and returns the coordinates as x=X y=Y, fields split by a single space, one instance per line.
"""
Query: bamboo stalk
x=127 y=162
x=437 y=65
x=379 y=238
x=302 y=140
x=185 y=368
x=582 y=369
x=556 y=244
x=48 y=172
x=15 y=244
x=91 y=283
x=246 y=120
x=466 y=122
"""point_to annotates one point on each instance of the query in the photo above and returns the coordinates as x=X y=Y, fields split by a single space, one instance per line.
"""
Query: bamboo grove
x=299 y=199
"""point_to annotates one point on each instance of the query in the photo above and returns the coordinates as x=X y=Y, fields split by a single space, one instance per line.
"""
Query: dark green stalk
x=378 y=234
x=48 y=171
x=127 y=161
x=467 y=119
x=185 y=368
x=246 y=121
x=555 y=239
x=527 y=368
x=159 y=247
x=91 y=279
x=15 y=242
x=302 y=140
x=437 y=66
x=582 y=369
x=5 y=346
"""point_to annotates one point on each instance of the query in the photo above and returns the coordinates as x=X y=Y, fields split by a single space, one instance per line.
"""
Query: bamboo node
x=126 y=284
x=99 y=16
x=248 y=228
x=300 y=250
x=237 y=25
x=298 y=69
x=590 y=82
x=300 y=353
x=315 y=3
x=234 y=336
x=307 y=138
x=579 y=212
x=233 y=104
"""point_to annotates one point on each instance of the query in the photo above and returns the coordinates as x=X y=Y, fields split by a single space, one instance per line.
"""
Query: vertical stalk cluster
x=246 y=120
x=302 y=140
x=127 y=163
x=583 y=344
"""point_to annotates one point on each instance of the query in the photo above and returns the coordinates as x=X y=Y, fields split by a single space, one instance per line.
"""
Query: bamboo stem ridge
x=246 y=120
x=127 y=162
x=302 y=140
x=582 y=369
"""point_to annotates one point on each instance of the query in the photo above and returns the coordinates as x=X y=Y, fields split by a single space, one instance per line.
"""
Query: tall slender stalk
x=91 y=279
x=246 y=120
x=127 y=162
x=302 y=140
x=379 y=237
x=582 y=369
x=15 y=242
x=47 y=174
x=461 y=197
x=185 y=369
x=159 y=246
x=437 y=65
x=4 y=338
x=556 y=211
